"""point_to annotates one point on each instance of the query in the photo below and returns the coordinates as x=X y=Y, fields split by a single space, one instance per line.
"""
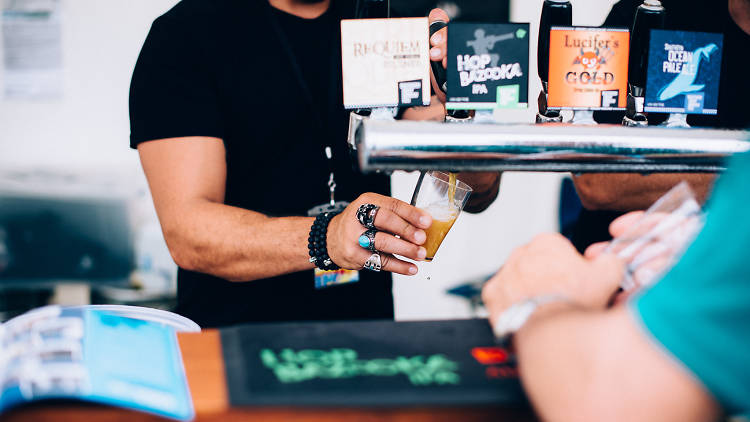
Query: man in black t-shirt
x=606 y=196
x=232 y=106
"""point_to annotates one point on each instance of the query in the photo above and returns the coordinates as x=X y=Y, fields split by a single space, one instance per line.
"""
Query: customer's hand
x=550 y=265
x=439 y=48
x=394 y=218
x=649 y=244
x=617 y=228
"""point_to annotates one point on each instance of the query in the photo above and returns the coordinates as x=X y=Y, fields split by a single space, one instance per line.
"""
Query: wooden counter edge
x=204 y=367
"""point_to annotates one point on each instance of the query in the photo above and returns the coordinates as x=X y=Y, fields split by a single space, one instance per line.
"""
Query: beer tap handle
x=441 y=78
x=363 y=9
x=649 y=15
x=554 y=13
x=441 y=75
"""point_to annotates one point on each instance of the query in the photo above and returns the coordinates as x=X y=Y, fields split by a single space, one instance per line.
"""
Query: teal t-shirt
x=700 y=311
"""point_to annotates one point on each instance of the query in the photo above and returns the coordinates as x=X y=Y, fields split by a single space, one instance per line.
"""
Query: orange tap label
x=588 y=68
x=490 y=355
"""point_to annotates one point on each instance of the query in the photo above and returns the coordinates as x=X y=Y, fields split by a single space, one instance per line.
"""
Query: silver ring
x=366 y=215
x=367 y=240
x=373 y=263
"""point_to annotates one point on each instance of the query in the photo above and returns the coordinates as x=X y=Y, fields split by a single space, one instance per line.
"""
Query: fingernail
x=412 y=270
x=437 y=38
x=435 y=52
x=420 y=236
x=425 y=220
x=422 y=253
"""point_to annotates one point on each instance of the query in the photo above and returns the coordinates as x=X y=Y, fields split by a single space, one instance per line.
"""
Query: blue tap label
x=488 y=65
x=684 y=70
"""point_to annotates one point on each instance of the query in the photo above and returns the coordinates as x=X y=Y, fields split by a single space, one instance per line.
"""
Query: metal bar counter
x=384 y=145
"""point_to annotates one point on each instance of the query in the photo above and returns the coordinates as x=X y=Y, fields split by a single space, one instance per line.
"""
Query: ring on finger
x=366 y=215
x=367 y=239
x=373 y=263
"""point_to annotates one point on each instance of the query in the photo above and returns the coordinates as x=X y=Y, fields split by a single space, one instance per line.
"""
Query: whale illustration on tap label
x=684 y=70
x=588 y=68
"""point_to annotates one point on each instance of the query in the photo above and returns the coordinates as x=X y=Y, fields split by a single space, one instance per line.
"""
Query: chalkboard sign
x=372 y=363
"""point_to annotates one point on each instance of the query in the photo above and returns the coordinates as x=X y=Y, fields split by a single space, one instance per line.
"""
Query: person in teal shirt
x=678 y=351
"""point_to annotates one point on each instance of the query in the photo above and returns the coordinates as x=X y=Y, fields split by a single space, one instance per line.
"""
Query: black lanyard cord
x=322 y=125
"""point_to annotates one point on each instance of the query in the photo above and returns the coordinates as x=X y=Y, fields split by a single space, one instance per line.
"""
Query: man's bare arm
x=579 y=361
x=629 y=192
x=600 y=366
x=187 y=177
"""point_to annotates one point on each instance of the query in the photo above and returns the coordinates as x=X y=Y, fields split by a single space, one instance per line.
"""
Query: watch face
x=513 y=318
x=516 y=316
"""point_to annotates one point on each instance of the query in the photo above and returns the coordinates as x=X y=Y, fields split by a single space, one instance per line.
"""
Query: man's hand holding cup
x=374 y=228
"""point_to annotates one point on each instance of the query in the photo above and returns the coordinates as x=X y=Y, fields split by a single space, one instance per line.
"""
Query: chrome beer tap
x=367 y=9
x=554 y=13
x=650 y=15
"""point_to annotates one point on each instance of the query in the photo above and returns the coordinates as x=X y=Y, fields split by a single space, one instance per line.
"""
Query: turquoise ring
x=367 y=240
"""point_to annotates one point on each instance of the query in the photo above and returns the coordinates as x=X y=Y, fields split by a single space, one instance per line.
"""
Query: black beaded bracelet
x=316 y=242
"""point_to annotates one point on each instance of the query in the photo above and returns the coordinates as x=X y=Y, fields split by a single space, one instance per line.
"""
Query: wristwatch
x=510 y=321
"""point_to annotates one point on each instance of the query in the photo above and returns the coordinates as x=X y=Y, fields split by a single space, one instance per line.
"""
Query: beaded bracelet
x=316 y=242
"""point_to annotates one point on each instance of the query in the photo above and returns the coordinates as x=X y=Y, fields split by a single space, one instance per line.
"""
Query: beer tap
x=367 y=9
x=441 y=78
x=554 y=13
x=650 y=15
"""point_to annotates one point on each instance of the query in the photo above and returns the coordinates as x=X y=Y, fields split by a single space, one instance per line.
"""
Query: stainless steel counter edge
x=403 y=145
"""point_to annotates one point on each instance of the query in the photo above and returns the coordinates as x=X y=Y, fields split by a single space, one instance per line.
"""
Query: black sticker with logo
x=410 y=93
x=610 y=98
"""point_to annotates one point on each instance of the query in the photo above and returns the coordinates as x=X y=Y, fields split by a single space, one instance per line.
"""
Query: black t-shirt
x=269 y=85
x=734 y=90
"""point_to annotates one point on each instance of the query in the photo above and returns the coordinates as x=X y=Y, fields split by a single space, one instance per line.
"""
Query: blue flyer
x=684 y=71
x=95 y=355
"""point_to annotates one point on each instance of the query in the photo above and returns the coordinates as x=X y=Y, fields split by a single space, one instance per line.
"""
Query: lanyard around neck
x=321 y=125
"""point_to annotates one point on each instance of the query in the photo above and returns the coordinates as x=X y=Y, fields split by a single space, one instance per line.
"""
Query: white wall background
x=89 y=126
x=88 y=130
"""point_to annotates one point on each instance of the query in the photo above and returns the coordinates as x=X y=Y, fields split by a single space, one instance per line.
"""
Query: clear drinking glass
x=433 y=194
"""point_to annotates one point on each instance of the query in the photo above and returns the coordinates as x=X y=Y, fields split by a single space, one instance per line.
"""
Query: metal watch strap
x=513 y=318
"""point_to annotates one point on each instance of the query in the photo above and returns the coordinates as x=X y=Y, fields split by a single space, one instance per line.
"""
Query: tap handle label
x=588 y=68
x=385 y=62
x=488 y=66
x=684 y=71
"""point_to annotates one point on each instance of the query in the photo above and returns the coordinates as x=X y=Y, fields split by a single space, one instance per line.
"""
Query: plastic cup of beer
x=444 y=203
